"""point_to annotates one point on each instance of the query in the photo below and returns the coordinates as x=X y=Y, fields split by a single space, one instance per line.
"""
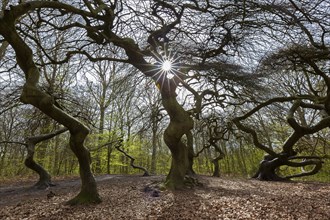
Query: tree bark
x=180 y=124
x=267 y=169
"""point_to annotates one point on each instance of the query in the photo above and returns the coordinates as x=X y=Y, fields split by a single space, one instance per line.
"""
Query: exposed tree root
x=84 y=198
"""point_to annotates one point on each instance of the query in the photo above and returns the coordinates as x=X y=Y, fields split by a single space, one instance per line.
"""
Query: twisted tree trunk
x=180 y=124
x=31 y=94
x=44 y=177
x=267 y=169
x=269 y=165
x=31 y=142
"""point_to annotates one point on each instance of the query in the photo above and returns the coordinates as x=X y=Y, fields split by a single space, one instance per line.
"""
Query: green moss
x=85 y=198
x=174 y=184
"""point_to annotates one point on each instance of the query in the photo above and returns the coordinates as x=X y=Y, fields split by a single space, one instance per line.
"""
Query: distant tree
x=104 y=81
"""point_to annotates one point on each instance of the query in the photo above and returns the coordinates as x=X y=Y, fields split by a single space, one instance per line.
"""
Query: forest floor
x=124 y=197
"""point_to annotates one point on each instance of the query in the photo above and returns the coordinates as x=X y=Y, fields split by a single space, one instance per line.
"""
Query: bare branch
x=146 y=173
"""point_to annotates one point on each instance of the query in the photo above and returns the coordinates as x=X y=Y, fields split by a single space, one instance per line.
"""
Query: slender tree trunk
x=41 y=154
x=191 y=153
x=216 y=171
x=109 y=148
x=56 y=156
x=154 y=147
x=2 y=159
x=100 y=139
x=242 y=158
x=109 y=151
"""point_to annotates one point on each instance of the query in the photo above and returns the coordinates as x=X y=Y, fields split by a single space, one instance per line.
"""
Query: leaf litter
x=126 y=197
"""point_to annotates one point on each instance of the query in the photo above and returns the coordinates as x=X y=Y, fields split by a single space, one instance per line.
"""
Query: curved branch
x=303 y=163
x=316 y=169
x=265 y=104
x=304 y=157
x=290 y=118
x=13 y=142
x=254 y=135
x=146 y=173
x=37 y=139
x=21 y=9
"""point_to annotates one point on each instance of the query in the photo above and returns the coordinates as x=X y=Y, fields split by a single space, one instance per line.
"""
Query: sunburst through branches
x=167 y=67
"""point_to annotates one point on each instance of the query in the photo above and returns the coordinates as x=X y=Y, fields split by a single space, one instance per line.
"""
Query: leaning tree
x=32 y=94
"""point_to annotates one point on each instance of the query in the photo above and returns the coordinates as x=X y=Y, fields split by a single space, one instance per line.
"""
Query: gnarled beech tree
x=307 y=61
x=31 y=94
x=145 y=32
x=300 y=32
x=30 y=144
x=287 y=156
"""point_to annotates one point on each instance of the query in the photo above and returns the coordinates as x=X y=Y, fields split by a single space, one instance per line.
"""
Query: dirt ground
x=124 y=197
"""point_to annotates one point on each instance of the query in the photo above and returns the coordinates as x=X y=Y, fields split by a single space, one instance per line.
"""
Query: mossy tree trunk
x=180 y=124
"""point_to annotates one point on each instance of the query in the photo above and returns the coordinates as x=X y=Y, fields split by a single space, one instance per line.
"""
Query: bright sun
x=167 y=65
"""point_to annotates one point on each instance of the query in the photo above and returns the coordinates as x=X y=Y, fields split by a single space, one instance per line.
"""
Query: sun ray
x=166 y=67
